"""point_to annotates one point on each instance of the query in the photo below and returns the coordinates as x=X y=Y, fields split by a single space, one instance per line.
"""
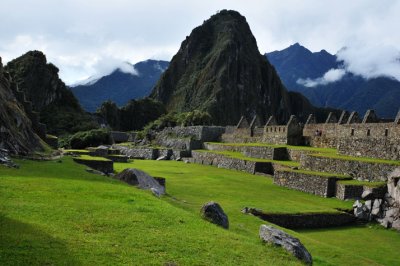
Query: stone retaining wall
x=351 y=191
x=101 y=165
x=151 y=153
x=306 y=220
x=222 y=161
x=260 y=152
x=370 y=147
x=314 y=184
x=347 y=191
x=117 y=158
x=360 y=170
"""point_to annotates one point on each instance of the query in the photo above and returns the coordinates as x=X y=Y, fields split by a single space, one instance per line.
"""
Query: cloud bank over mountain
x=86 y=38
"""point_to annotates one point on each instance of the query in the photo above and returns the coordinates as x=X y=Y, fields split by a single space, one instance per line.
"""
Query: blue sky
x=86 y=38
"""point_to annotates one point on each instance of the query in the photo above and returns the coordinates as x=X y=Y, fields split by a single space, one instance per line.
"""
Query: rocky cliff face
x=219 y=69
x=16 y=133
x=39 y=81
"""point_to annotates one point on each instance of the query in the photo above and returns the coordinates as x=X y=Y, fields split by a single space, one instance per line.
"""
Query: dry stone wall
x=360 y=170
x=221 y=161
x=314 y=184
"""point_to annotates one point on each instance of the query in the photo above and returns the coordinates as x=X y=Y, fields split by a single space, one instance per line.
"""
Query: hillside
x=219 y=69
x=16 y=132
x=39 y=81
x=353 y=93
x=119 y=86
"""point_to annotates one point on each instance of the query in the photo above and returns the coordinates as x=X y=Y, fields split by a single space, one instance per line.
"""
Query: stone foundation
x=221 y=161
x=260 y=152
x=360 y=170
x=347 y=191
x=305 y=220
x=100 y=165
x=318 y=185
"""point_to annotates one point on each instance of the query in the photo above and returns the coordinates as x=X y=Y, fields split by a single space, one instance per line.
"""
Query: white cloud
x=330 y=76
x=371 y=61
x=76 y=35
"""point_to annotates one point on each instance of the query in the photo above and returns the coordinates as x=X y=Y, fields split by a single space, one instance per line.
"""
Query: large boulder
x=277 y=237
x=394 y=185
x=212 y=212
x=141 y=180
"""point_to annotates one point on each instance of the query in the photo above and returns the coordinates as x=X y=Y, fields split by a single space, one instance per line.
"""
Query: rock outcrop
x=293 y=245
x=47 y=93
x=141 y=180
x=16 y=133
x=384 y=210
x=219 y=69
x=212 y=212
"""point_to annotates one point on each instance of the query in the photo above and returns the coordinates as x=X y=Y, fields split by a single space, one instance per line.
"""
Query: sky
x=93 y=37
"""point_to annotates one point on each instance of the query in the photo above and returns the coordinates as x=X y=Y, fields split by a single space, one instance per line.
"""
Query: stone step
x=227 y=162
x=353 y=189
x=317 y=183
x=259 y=152
x=362 y=169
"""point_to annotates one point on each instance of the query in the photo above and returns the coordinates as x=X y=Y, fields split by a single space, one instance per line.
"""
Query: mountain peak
x=219 y=69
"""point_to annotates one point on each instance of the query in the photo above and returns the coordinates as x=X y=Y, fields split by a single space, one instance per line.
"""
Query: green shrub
x=85 y=139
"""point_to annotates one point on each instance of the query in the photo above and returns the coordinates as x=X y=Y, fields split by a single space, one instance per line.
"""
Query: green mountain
x=16 y=132
x=39 y=81
x=219 y=69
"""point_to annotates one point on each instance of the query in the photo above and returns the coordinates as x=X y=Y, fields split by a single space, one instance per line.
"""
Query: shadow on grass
x=25 y=244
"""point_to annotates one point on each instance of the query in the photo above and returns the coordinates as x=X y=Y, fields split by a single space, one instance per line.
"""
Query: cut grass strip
x=362 y=183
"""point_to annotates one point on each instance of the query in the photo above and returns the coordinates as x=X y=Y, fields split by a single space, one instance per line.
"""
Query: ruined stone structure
x=370 y=138
x=352 y=136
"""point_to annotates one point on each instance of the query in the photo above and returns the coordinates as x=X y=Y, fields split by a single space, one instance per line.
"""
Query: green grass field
x=57 y=213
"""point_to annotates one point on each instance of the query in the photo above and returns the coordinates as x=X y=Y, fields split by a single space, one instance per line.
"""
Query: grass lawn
x=239 y=155
x=57 y=213
x=190 y=185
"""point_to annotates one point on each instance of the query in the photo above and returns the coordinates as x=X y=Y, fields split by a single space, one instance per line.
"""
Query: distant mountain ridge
x=350 y=92
x=119 y=86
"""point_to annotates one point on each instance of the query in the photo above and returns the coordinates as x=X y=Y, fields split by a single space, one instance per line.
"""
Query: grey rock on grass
x=293 y=245
x=212 y=212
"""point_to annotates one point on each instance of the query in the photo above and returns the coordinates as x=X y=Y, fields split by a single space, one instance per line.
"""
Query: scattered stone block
x=279 y=238
x=141 y=180
x=212 y=212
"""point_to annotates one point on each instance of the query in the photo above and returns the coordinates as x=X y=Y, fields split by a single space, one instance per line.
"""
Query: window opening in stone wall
x=386 y=132
x=284 y=130
x=368 y=132
x=352 y=131
x=275 y=129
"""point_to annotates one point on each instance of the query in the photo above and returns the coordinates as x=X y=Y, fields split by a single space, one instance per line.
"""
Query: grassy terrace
x=235 y=190
x=360 y=159
x=238 y=155
x=57 y=213
x=290 y=147
x=323 y=174
x=92 y=158
x=362 y=183
x=76 y=151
